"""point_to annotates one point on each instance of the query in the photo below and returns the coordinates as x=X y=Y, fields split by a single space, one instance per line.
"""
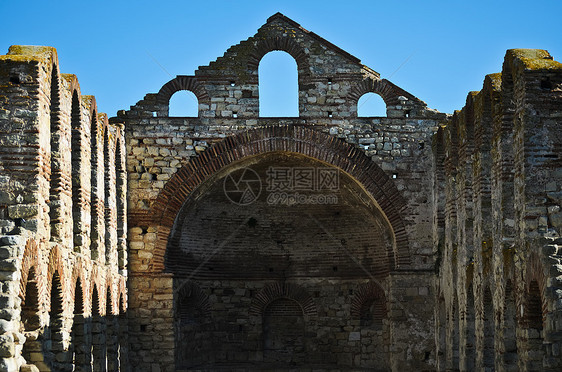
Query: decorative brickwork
x=45 y=213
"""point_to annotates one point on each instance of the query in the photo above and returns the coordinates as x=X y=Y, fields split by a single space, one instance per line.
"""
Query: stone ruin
x=328 y=241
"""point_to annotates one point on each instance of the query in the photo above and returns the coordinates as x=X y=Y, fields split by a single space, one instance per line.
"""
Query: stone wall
x=499 y=276
x=155 y=243
x=62 y=195
x=177 y=168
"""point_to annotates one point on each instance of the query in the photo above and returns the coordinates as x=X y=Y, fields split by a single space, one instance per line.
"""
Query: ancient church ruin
x=415 y=241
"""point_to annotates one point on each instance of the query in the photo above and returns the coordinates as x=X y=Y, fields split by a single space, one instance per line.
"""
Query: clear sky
x=436 y=50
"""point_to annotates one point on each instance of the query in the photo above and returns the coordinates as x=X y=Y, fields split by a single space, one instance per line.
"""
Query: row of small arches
x=95 y=337
x=278 y=92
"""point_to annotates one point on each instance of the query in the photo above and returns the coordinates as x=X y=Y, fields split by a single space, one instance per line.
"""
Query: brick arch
x=273 y=292
x=122 y=295
x=297 y=139
x=31 y=261
x=92 y=106
x=73 y=84
x=112 y=294
x=285 y=44
x=536 y=273
x=56 y=265
x=365 y=293
x=79 y=274
x=96 y=281
x=182 y=82
x=384 y=88
x=191 y=289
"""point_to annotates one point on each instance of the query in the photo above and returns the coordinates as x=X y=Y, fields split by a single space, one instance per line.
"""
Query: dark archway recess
x=55 y=325
x=264 y=234
x=284 y=333
x=286 y=139
x=535 y=325
x=99 y=355
x=78 y=335
x=30 y=319
x=304 y=219
x=195 y=339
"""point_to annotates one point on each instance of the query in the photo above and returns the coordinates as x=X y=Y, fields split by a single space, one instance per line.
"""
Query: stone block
x=23 y=211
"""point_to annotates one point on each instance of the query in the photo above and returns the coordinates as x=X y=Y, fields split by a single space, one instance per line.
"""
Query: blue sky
x=436 y=50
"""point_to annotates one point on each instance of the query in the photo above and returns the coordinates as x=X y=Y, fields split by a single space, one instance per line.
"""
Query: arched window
x=183 y=103
x=371 y=105
x=278 y=85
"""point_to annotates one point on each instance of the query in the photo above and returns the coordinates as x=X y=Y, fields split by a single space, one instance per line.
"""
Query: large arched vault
x=280 y=215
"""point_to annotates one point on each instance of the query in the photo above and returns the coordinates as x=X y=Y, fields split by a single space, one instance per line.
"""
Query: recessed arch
x=276 y=291
x=193 y=324
x=30 y=316
x=369 y=304
x=298 y=139
x=278 y=85
x=197 y=298
x=56 y=266
x=77 y=337
x=535 y=319
x=56 y=322
x=283 y=332
x=30 y=263
x=99 y=354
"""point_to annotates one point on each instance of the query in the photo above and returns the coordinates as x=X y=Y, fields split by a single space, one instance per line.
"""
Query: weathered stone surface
x=437 y=248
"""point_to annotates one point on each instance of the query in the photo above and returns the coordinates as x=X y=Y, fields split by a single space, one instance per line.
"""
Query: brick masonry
x=437 y=250
x=61 y=189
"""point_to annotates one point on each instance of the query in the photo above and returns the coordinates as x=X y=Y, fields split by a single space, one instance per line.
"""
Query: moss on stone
x=534 y=59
